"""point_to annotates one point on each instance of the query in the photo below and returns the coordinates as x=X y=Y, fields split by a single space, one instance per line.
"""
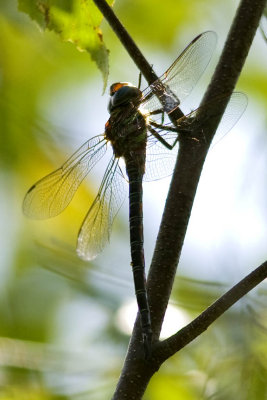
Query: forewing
x=183 y=74
x=51 y=195
x=96 y=227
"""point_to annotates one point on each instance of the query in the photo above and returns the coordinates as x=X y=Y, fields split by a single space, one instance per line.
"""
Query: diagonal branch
x=137 y=56
x=127 y=41
x=170 y=346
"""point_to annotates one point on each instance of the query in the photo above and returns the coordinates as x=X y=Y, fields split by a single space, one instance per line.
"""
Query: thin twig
x=127 y=41
x=137 y=56
x=170 y=346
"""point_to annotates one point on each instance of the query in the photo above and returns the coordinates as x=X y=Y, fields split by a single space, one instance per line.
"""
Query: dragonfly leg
x=139 y=80
x=161 y=140
x=158 y=111
x=163 y=127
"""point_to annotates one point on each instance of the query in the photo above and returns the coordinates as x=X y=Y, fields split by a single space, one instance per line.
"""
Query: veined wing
x=160 y=160
x=95 y=230
x=51 y=194
x=233 y=111
x=182 y=76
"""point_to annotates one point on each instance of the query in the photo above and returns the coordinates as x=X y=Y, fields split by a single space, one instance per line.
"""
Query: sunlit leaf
x=74 y=21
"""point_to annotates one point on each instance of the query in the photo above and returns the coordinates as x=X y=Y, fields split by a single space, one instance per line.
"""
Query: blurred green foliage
x=58 y=333
x=74 y=21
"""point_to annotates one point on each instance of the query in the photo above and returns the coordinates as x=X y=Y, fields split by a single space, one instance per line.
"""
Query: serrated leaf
x=75 y=21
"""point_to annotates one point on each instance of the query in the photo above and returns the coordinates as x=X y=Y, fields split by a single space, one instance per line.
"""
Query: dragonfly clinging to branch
x=144 y=145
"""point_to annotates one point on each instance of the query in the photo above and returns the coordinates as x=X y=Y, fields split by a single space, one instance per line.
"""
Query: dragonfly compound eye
x=123 y=94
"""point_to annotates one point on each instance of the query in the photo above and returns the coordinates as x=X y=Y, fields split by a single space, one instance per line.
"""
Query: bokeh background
x=64 y=323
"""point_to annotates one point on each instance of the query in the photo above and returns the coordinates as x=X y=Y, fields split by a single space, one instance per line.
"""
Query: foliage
x=59 y=337
x=74 y=21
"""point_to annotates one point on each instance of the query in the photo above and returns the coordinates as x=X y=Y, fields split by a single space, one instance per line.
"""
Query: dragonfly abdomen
x=126 y=130
x=135 y=174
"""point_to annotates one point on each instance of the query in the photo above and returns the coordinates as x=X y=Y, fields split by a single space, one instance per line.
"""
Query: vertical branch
x=190 y=161
x=136 y=372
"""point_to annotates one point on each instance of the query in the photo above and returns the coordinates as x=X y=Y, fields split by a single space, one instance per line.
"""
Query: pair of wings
x=51 y=195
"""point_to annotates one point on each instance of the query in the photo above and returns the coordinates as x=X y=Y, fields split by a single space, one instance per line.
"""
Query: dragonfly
x=144 y=144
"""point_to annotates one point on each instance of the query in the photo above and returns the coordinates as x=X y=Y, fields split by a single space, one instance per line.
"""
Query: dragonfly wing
x=182 y=76
x=233 y=111
x=51 y=194
x=96 y=227
x=160 y=160
x=235 y=108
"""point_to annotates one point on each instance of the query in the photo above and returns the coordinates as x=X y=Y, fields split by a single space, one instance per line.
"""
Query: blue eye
x=123 y=95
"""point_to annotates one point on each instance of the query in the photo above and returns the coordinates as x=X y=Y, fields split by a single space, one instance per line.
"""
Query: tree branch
x=190 y=162
x=127 y=41
x=136 y=55
x=170 y=346
x=136 y=372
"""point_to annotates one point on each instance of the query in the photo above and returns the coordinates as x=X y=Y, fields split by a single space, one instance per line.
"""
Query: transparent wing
x=51 y=194
x=234 y=109
x=183 y=74
x=160 y=160
x=96 y=227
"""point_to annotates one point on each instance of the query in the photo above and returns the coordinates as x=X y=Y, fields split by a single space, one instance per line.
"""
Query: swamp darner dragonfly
x=144 y=145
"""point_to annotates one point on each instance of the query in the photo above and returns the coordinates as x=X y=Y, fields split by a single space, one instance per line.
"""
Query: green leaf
x=74 y=21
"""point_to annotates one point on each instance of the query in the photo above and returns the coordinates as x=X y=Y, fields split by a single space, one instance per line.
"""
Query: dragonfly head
x=123 y=93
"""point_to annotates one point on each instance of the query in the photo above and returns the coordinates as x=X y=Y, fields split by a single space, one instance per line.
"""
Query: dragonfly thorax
x=124 y=94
